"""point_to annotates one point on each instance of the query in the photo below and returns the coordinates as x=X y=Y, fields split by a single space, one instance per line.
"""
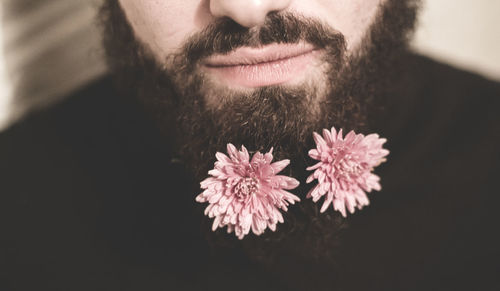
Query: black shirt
x=90 y=199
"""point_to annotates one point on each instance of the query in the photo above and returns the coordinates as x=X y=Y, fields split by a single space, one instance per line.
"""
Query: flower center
x=348 y=169
x=345 y=164
x=245 y=188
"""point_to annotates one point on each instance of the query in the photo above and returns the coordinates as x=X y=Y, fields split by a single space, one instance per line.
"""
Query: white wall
x=5 y=84
x=465 y=33
x=50 y=47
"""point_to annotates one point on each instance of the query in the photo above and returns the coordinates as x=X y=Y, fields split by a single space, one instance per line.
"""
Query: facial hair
x=276 y=116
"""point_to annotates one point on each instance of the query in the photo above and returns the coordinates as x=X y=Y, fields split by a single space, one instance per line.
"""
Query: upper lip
x=253 y=56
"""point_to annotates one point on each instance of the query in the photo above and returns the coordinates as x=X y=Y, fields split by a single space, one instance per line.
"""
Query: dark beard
x=277 y=117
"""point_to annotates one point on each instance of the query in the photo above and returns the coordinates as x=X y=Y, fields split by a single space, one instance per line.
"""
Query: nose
x=248 y=13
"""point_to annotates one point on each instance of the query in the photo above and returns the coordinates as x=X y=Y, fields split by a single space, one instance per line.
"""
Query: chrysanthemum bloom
x=344 y=170
x=247 y=194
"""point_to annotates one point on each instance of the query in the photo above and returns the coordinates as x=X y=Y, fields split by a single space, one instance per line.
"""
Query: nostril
x=248 y=13
x=244 y=17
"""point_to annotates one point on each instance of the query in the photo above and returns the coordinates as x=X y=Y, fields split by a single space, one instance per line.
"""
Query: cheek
x=350 y=17
x=165 y=25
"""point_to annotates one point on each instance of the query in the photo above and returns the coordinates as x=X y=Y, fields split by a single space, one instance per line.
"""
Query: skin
x=164 y=25
x=208 y=113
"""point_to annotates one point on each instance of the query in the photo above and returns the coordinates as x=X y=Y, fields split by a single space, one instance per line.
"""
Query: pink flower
x=246 y=194
x=344 y=170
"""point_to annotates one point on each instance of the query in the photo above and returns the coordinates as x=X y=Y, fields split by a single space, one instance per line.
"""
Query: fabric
x=91 y=200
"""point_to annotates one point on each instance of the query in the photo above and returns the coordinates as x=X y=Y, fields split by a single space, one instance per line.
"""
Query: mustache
x=225 y=35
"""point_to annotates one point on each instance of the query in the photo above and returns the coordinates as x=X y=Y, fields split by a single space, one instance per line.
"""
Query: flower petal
x=243 y=154
x=246 y=194
x=344 y=169
x=333 y=133
x=223 y=158
x=326 y=203
x=233 y=152
x=314 y=167
x=320 y=142
x=327 y=136
x=314 y=154
x=279 y=166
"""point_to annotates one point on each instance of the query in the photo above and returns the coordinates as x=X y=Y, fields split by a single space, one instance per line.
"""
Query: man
x=99 y=192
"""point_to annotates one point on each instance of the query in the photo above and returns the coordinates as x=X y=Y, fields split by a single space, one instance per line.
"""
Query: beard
x=177 y=94
x=278 y=117
x=351 y=94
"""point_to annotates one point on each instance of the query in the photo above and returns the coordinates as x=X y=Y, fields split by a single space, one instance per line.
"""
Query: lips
x=265 y=66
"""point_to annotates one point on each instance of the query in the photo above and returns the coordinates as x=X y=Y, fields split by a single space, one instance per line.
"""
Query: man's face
x=165 y=27
x=261 y=73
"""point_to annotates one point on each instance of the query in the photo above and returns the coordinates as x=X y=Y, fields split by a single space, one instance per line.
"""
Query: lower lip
x=264 y=74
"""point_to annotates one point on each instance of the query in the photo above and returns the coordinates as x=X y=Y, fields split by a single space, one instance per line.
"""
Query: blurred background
x=49 y=48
